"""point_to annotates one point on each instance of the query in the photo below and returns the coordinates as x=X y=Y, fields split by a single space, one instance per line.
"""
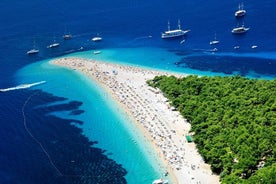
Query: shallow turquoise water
x=124 y=25
x=104 y=121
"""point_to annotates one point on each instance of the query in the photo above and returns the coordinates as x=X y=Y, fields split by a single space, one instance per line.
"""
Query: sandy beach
x=164 y=128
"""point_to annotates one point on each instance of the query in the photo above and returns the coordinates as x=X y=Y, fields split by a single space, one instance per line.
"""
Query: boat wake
x=22 y=86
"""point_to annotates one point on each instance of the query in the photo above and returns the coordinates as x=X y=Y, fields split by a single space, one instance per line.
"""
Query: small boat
x=33 y=51
x=240 y=12
x=96 y=52
x=214 y=50
x=215 y=41
x=97 y=39
x=160 y=181
x=254 y=46
x=240 y=30
x=174 y=33
x=67 y=36
x=53 y=45
x=207 y=51
x=236 y=47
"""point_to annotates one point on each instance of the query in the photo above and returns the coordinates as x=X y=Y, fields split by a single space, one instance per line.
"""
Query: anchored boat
x=174 y=33
x=240 y=30
x=240 y=12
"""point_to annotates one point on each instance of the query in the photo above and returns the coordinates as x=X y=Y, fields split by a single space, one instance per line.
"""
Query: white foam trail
x=22 y=86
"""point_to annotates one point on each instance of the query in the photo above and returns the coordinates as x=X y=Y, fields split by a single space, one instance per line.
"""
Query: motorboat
x=174 y=33
x=96 y=52
x=254 y=46
x=240 y=30
x=97 y=39
x=240 y=12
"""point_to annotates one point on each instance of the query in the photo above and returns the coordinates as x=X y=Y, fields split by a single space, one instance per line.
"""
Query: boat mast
x=243 y=25
x=169 y=26
x=34 y=44
x=179 y=26
x=241 y=6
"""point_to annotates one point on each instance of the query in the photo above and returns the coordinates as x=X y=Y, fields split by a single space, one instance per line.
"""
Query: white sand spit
x=164 y=128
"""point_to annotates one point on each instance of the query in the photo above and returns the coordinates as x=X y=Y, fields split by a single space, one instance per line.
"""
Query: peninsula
x=164 y=128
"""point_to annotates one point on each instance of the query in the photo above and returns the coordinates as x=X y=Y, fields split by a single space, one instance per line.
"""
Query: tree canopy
x=233 y=120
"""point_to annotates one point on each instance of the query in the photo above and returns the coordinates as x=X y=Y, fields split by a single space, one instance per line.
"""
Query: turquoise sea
x=69 y=130
x=101 y=116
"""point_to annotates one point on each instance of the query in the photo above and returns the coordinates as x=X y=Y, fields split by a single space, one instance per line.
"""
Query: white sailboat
x=33 y=50
x=97 y=38
x=240 y=29
x=215 y=41
x=240 y=12
x=53 y=45
x=67 y=36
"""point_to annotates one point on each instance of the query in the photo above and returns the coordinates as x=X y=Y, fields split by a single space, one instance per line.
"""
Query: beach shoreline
x=163 y=127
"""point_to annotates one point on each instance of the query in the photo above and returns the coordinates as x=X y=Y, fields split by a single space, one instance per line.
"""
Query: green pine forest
x=233 y=122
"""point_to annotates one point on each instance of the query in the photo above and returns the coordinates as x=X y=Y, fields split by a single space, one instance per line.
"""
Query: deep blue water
x=74 y=158
x=122 y=24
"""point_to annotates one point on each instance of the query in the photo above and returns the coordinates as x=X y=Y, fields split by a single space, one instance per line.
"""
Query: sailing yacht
x=174 y=33
x=67 y=36
x=240 y=12
x=53 y=45
x=240 y=29
x=215 y=41
x=33 y=51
